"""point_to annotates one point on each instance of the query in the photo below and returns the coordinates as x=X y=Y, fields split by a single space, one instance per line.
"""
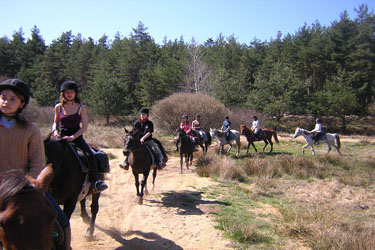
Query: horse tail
x=338 y=141
x=275 y=137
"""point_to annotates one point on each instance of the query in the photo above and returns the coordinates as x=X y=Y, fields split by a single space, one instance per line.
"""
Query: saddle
x=261 y=134
x=101 y=158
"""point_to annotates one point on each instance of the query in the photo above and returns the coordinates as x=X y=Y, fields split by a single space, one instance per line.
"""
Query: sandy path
x=174 y=215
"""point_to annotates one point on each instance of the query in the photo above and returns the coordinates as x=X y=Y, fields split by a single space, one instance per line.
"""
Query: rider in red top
x=186 y=126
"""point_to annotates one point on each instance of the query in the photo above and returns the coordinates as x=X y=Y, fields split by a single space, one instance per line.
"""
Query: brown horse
x=140 y=160
x=26 y=215
x=266 y=137
x=186 y=148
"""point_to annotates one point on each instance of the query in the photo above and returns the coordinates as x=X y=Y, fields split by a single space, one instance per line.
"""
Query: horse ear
x=126 y=131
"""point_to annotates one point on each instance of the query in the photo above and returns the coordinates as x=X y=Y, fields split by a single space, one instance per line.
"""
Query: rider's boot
x=99 y=185
x=125 y=164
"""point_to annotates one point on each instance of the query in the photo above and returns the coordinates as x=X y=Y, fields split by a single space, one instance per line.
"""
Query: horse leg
x=187 y=159
x=271 y=143
x=143 y=184
x=191 y=158
x=84 y=215
x=256 y=151
x=229 y=149
x=154 y=177
x=136 y=177
x=69 y=206
x=181 y=161
x=329 y=147
x=337 y=148
x=312 y=149
x=303 y=148
x=265 y=145
x=94 y=211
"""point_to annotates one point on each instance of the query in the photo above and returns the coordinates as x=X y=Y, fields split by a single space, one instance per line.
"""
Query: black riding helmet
x=318 y=120
x=255 y=117
x=69 y=85
x=185 y=116
x=17 y=85
x=144 y=110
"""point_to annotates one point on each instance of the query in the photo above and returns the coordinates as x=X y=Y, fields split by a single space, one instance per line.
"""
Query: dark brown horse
x=69 y=178
x=186 y=147
x=140 y=160
x=266 y=137
x=26 y=215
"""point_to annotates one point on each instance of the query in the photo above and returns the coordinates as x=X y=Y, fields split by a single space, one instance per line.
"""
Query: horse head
x=297 y=133
x=243 y=128
x=132 y=141
x=212 y=133
x=180 y=133
x=55 y=149
x=26 y=215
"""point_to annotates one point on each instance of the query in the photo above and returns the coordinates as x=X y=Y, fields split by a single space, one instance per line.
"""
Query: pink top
x=186 y=127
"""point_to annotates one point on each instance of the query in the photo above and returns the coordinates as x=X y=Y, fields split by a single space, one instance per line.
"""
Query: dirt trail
x=173 y=216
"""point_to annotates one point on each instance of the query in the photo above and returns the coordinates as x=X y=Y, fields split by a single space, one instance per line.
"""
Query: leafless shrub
x=39 y=115
x=166 y=114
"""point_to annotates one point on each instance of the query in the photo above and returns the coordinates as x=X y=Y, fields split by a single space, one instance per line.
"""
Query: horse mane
x=11 y=184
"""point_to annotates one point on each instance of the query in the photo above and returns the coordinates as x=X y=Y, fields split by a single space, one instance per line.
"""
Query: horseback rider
x=226 y=128
x=71 y=122
x=186 y=126
x=26 y=153
x=317 y=132
x=255 y=127
x=146 y=127
x=197 y=127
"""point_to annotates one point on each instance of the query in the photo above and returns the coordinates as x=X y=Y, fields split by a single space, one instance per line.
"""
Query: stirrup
x=100 y=186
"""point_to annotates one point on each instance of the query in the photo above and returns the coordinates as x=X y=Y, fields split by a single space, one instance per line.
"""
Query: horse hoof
x=89 y=236
x=140 y=201
x=146 y=192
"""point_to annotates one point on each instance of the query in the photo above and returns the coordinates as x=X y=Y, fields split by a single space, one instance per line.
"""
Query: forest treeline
x=318 y=71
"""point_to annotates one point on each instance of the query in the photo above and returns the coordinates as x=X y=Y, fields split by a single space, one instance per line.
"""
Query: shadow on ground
x=139 y=240
x=187 y=202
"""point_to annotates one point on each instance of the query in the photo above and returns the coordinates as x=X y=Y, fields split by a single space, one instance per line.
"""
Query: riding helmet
x=197 y=115
x=144 y=110
x=318 y=120
x=69 y=85
x=255 y=117
x=227 y=117
x=185 y=116
x=17 y=85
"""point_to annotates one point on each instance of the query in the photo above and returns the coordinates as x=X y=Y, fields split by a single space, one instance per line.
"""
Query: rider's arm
x=56 y=121
x=145 y=136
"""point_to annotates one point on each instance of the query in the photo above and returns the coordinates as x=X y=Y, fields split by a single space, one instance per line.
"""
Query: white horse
x=222 y=141
x=330 y=140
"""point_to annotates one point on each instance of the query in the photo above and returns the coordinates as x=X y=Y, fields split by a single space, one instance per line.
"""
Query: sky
x=246 y=20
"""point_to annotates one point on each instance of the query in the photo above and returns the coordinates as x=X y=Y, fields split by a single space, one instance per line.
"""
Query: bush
x=39 y=115
x=166 y=114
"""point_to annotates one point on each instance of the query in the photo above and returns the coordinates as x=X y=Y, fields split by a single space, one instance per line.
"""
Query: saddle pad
x=151 y=152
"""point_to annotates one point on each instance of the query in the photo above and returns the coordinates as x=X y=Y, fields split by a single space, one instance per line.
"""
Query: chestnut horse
x=250 y=137
x=186 y=147
x=140 y=160
x=26 y=215
x=69 y=178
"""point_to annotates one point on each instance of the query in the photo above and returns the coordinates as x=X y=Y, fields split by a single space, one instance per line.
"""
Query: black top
x=144 y=127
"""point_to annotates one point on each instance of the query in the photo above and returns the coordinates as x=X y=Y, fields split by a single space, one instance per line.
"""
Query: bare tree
x=197 y=79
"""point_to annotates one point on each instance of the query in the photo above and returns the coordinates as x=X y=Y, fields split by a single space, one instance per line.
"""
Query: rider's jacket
x=318 y=128
x=144 y=127
x=226 y=124
x=255 y=124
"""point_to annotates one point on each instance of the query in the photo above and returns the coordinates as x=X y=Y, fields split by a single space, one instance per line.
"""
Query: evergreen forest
x=319 y=70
